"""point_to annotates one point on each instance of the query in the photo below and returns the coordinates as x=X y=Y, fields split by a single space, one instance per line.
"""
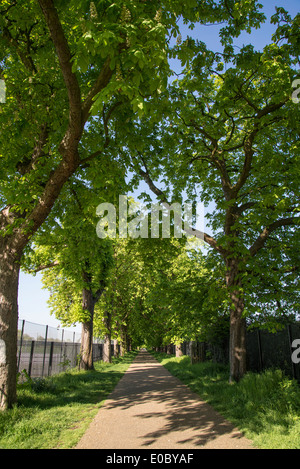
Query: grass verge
x=264 y=406
x=55 y=412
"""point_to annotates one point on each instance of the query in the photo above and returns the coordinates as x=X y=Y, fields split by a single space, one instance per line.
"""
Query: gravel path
x=151 y=409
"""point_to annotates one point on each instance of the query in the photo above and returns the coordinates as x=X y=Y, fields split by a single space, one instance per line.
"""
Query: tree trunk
x=9 y=284
x=107 y=348
x=179 y=351
x=107 y=338
x=124 y=339
x=193 y=352
x=237 y=343
x=129 y=344
x=86 y=349
x=116 y=348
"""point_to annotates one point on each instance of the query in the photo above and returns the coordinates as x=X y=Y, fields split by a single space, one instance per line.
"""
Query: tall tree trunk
x=89 y=300
x=116 y=348
x=107 y=348
x=179 y=351
x=124 y=340
x=9 y=284
x=86 y=349
x=237 y=343
x=107 y=339
x=129 y=344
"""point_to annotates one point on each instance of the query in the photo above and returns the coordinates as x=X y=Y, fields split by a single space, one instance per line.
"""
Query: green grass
x=264 y=406
x=55 y=412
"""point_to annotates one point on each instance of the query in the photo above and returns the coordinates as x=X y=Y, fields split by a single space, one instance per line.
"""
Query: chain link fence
x=45 y=351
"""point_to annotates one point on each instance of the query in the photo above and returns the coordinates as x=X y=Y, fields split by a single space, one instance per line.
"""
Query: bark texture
x=237 y=344
x=86 y=349
x=107 y=339
x=9 y=284
x=179 y=351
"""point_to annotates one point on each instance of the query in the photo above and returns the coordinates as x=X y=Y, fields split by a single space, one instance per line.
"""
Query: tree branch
x=64 y=56
x=107 y=138
x=264 y=235
x=44 y=267
x=218 y=163
x=101 y=82
x=26 y=58
x=162 y=197
x=248 y=143
x=26 y=166
x=69 y=144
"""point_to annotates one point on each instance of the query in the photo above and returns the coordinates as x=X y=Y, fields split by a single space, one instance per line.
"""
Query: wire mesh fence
x=268 y=350
x=265 y=350
x=44 y=350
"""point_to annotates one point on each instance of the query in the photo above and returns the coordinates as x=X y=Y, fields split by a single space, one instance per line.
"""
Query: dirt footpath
x=151 y=409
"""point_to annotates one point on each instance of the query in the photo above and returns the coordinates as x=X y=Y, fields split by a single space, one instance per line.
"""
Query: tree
x=74 y=261
x=232 y=130
x=63 y=64
x=131 y=279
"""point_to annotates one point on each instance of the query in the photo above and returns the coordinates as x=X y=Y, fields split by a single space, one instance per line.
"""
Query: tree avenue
x=69 y=68
x=230 y=128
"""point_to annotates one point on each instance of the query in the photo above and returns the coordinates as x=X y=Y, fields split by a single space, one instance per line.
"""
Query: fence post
x=21 y=343
x=45 y=347
x=31 y=357
x=50 y=358
x=291 y=351
x=74 y=358
x=62 y=344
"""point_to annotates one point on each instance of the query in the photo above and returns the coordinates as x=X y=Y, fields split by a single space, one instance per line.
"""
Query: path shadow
x=147 y=383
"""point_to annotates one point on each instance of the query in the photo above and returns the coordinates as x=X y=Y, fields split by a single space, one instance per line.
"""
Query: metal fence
x=264 y=350
x=269 y=350
x=45 y=351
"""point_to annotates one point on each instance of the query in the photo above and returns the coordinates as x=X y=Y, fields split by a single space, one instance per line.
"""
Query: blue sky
x=32 y=298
